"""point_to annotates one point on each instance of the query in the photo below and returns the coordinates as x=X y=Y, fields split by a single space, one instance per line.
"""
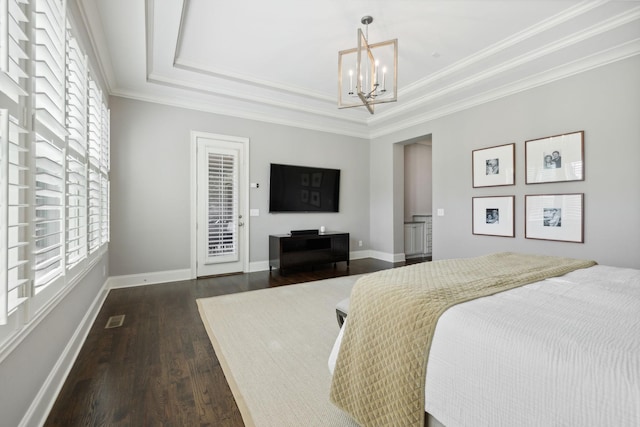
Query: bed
x=562 y=351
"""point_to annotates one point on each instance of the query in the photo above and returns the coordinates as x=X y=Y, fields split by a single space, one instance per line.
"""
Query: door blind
x=223 y=204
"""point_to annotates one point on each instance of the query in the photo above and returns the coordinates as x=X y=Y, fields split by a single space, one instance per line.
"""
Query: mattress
x=562 y=351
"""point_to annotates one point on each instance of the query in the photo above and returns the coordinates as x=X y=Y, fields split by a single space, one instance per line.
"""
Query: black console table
x=286 y=250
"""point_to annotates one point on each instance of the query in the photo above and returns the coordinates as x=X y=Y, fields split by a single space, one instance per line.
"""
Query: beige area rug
x=274 y=346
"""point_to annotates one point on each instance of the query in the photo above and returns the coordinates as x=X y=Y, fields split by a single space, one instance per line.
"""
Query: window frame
x=53 y=135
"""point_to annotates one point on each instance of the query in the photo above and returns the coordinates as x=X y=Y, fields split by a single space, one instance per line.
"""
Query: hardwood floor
x=158 y=368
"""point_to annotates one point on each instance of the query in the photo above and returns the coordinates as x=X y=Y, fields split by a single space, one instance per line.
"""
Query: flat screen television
x=303 y=189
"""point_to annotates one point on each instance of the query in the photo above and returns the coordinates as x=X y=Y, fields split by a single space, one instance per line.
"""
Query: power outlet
x=359 y=242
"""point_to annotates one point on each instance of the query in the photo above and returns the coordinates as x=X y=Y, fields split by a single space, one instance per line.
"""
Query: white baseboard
x=360 y=254
x=258 y=266
x=48 y=393
x=384 y=256
x=115 y=282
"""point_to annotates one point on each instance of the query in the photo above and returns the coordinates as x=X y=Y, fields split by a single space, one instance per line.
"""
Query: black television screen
x=303 y=189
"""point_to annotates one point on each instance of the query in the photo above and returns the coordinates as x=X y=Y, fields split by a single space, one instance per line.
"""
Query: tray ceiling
x=276 y=61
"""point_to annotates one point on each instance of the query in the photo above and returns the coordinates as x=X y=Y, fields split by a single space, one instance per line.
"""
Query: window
x=48 y=226
x=14 y=160
x=14 y=230
x=76 y=153
x=49 y=69
x=104 y=177
x=49 y=138
x=12 y=53
x=54 y=169
x=95 y=142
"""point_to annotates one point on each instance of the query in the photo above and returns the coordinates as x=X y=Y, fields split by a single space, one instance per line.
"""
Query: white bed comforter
x=561 y=352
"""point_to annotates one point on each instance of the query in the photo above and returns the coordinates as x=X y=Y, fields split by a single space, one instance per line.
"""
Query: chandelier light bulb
x=384 y=78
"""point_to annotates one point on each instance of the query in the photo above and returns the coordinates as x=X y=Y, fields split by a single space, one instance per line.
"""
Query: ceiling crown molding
x=93 y=26
x=580 y=37
x=502 y=45
x=502 y=68
x=414 y=116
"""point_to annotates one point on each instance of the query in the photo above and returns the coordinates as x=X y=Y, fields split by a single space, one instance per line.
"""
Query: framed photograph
x=557 y=158
x=554 y=217
x=494 y=166
x=493 y=216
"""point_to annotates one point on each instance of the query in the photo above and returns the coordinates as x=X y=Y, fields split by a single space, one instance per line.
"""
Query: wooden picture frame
x=494 y=166
x=558 y=217
x=493 y=216
x=558 y=158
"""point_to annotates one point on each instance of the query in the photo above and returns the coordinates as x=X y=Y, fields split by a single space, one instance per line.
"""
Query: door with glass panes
x=220 y=222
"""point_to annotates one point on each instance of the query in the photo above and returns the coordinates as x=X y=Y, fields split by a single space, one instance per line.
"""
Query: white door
x=219 y=206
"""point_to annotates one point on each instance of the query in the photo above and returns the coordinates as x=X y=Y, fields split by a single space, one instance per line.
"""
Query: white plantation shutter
x=14 y=238
x=76 y=220
x=49 y=66
x=76 y=211
x=95 y=142
x=223 y=204
x=93 y=218
x=14 y=161
x=54 y=160
x=104 y=176
x=49 y=95
x=12 y=53
x=48 y=227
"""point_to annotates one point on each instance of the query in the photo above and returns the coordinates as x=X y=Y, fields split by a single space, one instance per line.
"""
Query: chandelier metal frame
x=370 y=85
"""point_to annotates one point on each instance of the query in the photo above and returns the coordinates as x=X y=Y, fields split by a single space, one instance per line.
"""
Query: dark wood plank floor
x=159 y=368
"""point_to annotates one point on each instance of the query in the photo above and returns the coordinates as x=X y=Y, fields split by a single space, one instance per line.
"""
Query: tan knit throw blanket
x=380 y=371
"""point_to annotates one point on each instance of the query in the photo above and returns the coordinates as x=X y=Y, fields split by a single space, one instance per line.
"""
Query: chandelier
x=368 y=73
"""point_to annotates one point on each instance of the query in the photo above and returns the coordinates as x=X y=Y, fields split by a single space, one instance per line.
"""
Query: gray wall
x=150 y=174
x=150 y=182
x=604 y=102
x=32 y=372
x=417 y=180
x=381 y=188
